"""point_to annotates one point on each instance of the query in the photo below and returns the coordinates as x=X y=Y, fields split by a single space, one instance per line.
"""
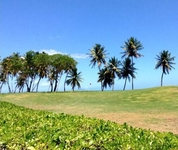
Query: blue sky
x=74 y=26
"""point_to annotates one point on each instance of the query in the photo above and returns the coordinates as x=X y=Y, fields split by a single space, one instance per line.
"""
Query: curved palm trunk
x=9 y=87
x=125 y=83
x=55 y=84
x=37 y=85
x=162 y=79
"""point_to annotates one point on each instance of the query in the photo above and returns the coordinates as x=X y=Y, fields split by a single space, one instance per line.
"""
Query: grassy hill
x=153 y=108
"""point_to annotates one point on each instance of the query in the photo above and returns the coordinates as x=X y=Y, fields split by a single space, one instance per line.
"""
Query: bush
x=22 y=128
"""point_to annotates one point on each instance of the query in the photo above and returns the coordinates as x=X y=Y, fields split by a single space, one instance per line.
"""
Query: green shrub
x=22 y=128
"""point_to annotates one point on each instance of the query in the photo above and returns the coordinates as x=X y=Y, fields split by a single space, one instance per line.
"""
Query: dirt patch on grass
x=163 y=122
x=156 y=122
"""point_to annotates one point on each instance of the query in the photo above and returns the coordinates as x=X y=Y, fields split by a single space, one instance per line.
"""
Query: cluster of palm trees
x=27 y=71
x=125 y=69
x=20 y=72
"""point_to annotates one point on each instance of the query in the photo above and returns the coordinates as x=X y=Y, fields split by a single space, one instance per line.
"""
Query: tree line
x=125 y=69
x=28 y=70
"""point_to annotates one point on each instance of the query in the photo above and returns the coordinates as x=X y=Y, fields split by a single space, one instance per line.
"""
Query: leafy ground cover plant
x=22 y=128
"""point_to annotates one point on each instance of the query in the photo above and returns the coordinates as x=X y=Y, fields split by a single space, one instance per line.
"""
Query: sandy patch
x=156 y=122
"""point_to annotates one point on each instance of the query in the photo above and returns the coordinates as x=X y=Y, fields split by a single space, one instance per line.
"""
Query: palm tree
x=2 y=80
x=98 y=55
x=20 y=83
x=69 y=64
x=131 y=48
x=165 y=61
x=30 y=70
x=113 y=66
x=105 y=78
x=74 y=78
x=127 y=70
x=41 y=61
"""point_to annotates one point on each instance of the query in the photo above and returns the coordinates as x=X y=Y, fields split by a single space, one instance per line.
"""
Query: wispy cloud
x=79 y=56
x=52 y=52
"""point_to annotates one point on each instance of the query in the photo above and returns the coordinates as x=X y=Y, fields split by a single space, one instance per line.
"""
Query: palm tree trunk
x=37 y=85
x=56 y=82
x=162 y=79
x=8 y=84
x=51 y=84
x=113 y=84
x=102 y=88
x=55 y=85
x=132 y=77
x=9 y=87
x=1 y=86
x=125 y=83
x=65 y=81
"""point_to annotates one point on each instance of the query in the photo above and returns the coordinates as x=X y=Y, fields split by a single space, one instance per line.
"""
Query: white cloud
x=52 y=52
x=79 y=56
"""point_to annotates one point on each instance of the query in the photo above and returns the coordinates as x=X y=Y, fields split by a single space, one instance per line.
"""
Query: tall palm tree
x=97 y=55
x=114 y=69
x=127 y=70
x=74 y=78
x=165 y=61
x=131 y=48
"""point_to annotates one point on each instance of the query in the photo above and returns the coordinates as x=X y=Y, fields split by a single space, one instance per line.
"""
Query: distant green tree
x=105 y=78
x=113 y=66
x=30 y=70
x=59 y=64
x=11 y=66
x=131 y=48
x=2 y=78
x=55 y=70
x=5 y=75
x=41 y=61
x=165 y=61
x=70 y=64
x=127 y=70
x=74 y=78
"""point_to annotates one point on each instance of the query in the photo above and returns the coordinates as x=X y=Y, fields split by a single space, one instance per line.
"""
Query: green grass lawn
x=157 y=102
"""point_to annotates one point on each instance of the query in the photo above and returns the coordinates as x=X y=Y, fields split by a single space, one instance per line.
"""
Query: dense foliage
x=19 y=72
x=22 y=128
